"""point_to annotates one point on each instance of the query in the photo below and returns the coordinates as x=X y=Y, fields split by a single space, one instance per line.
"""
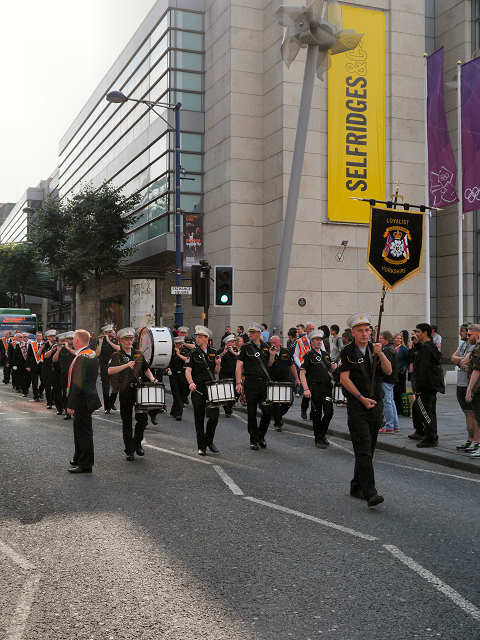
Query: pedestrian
x=317 y=385
x=473 y=388
x=400 y=386
x=241 y=333
x=252 y=362
x=360 y=365
x=428 y=376
x=107 y=346
x=228 y=355
x=302 y=346
x=57 y=374
x=19 y=360
x=280 y=370
x=388 y=383
x=127 y=367
x=35 y=365
x=49 y=350
x=292 y=336
x=461 y=358
x=436 y=338
x=202 y=365
x=228 y=332
x=326 y=337
x=336 y=343
x=82 y=401
x=265 y=334
x=4 y=345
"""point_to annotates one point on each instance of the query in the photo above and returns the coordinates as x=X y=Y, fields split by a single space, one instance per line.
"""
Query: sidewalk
x=451 y=429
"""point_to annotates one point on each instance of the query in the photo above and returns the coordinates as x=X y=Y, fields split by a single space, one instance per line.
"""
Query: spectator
x=473 y=389
x=242 y=334
x=292 y=337
x=436 y=338
x=228 y=332
x=265 y=334
x=461 y=358
x=388 y=382
x=346 y=338
x=336 y=343
x=326 y=337
x=401 y=385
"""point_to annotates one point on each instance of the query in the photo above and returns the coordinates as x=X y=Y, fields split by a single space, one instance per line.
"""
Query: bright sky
x=54 y=53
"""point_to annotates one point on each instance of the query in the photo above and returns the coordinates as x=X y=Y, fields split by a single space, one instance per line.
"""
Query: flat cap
x=359 y=318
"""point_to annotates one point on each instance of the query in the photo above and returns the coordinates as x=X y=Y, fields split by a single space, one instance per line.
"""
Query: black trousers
x=305 y=404
x=23 y=379
x=36 y=376
x=6 y=373
x=131 y=439
x=205 y=433
x=256 y=394
x=399 y=388
x=278 y=411
x=57 y=389
x=179 y=388
x=108 y=397
x=323 y=410
x=363 y=425
x=83 y=439
x=424 y=412
x=48 y=384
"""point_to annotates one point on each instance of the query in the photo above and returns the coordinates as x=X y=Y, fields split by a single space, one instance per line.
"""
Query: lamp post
x=119 y=98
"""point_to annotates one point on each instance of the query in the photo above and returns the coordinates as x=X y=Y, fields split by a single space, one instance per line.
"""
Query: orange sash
x=38 y=358
x=304 y=347
x=5 y=344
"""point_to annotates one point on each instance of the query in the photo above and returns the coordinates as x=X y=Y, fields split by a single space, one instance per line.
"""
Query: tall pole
x=460 y=195
x=178 y=245
x=427 y=213
x=294 y=190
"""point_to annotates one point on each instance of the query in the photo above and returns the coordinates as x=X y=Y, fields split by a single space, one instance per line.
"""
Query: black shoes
x=262 y=443
x=107 y=411
x=212 y=448
x=153 y=420
x=113 y=407
x=414 y=436
x=278 y=426
x=358 y=494
x=36 y=399
x=49 y=406
x=74 y=464
x=59 y=413
x=129 y=457
x=178 y=418
x=229 y=414
x=79 y=470
x=424 y=444
x=202 y=452
x=374 y=500
x=139 y=451
x=24 y=395
x=67 y=416
x=304 y=415
x=254 y=446
x=320 y=444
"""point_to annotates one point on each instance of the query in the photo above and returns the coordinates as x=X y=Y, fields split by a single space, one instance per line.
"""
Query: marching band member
x=317 y=385
x=280 y=370
x=35 y=365
x=200 y=368
x=19 y=360
x=57 y=375
x=227 y=367
x=66 y=355
x=178 y=382
x=107 y=345
x=48 y=351
x=126 y=366
x=252 y=361
x=302 y=346
x=4 y=346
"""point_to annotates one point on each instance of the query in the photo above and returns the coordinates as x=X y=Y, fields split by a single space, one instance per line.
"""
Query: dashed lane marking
x=16 y=558
x=180 y=455
x=234 y=488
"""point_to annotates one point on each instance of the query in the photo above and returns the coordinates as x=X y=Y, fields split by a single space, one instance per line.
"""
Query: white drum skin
x=280 y=392
x=220 y=391
x=156 y=344
x=150 y=395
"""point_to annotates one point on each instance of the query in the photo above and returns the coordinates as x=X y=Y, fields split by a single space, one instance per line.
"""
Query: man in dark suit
x=82 y=401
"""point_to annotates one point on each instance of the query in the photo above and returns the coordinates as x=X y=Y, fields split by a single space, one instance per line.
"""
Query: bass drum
x=156 y=344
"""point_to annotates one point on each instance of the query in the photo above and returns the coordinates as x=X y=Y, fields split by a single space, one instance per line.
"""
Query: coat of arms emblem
x=396 y=249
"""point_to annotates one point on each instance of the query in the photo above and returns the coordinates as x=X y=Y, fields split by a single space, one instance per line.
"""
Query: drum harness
x=257 y=354
x=319 y=358
x=200 y=351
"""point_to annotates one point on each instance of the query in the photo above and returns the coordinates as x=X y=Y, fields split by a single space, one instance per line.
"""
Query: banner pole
x=427 y=200
x=460 y=193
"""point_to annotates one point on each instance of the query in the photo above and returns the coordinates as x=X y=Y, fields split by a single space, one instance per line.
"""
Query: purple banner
x=442 y=170
x=470 y=86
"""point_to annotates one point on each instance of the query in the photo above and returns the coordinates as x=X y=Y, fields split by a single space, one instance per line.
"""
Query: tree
x=97 y=233
x=18 y=268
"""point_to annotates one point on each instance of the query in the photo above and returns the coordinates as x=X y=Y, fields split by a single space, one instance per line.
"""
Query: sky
x=53 y=55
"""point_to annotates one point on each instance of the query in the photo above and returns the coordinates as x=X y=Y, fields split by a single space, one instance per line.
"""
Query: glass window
x=191 y=61
x=190 y=81
x=157 y=227
x=190 y=101
x=185 y=40
x=191 y=204
x=140 y=235
x=157 y=208
x=187 y=20
x=160 y=29
x=192 y=186
x=191 y=162
x=142 y=218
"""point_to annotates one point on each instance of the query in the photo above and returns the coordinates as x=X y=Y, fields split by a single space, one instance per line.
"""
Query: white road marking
x=239 y=418
x=456 y=598
x=16 y=558
x=438 y=473
x=305 y=516
x=105 y=419
x=180 y=455
x=234 y=488
x=22 y=610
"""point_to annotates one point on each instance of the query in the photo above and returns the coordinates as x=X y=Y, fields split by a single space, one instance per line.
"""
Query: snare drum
x=150 y=395
x=280 y=392
x=220 y=392
x=156 y=344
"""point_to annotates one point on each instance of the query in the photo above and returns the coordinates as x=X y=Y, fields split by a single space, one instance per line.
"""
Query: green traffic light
x=224 y=299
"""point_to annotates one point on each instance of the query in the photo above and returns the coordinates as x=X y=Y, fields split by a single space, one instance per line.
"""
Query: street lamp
x=117 y=97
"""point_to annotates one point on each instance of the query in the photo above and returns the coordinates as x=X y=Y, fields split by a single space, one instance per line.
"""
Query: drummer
x=317 y=384
x=178 y=382
x=127 y=367
x=107 y=345
x=188 y=344
x=200 y=368
x=227 y=369
x=280 y=370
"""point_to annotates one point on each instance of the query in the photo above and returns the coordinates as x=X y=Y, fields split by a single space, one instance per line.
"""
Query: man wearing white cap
x=228 y=354
x=253 y=361
x=65 y=356
x=201 y=367
x=57 y=375
x=107 y=345
x=126 y=367
x=178 y=382
x=48 y=352
x=364 y=408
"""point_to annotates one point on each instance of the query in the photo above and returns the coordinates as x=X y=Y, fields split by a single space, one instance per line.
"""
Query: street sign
x=181 y=291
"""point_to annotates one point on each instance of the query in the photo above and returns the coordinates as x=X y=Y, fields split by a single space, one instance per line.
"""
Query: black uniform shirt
x=315 y=365
x=352 y=360
x=280 y=369
x=229 y=363
x=106 y=351
x=48 y=362
x=176 y=363
x=125 y=377
x=251 y=366
x=65 y=358
x=196 y=362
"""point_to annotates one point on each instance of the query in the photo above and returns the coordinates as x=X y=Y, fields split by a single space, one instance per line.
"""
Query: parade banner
x=395 y=245
x=442 y=170
x=192 y=240
x=470 y=87
x=356 y=118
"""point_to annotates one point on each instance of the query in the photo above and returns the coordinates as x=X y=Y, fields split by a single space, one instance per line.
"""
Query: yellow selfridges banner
x=356 y=119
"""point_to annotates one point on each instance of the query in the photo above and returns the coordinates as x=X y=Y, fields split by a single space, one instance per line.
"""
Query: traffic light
x=223 y=285
x=200 y=286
